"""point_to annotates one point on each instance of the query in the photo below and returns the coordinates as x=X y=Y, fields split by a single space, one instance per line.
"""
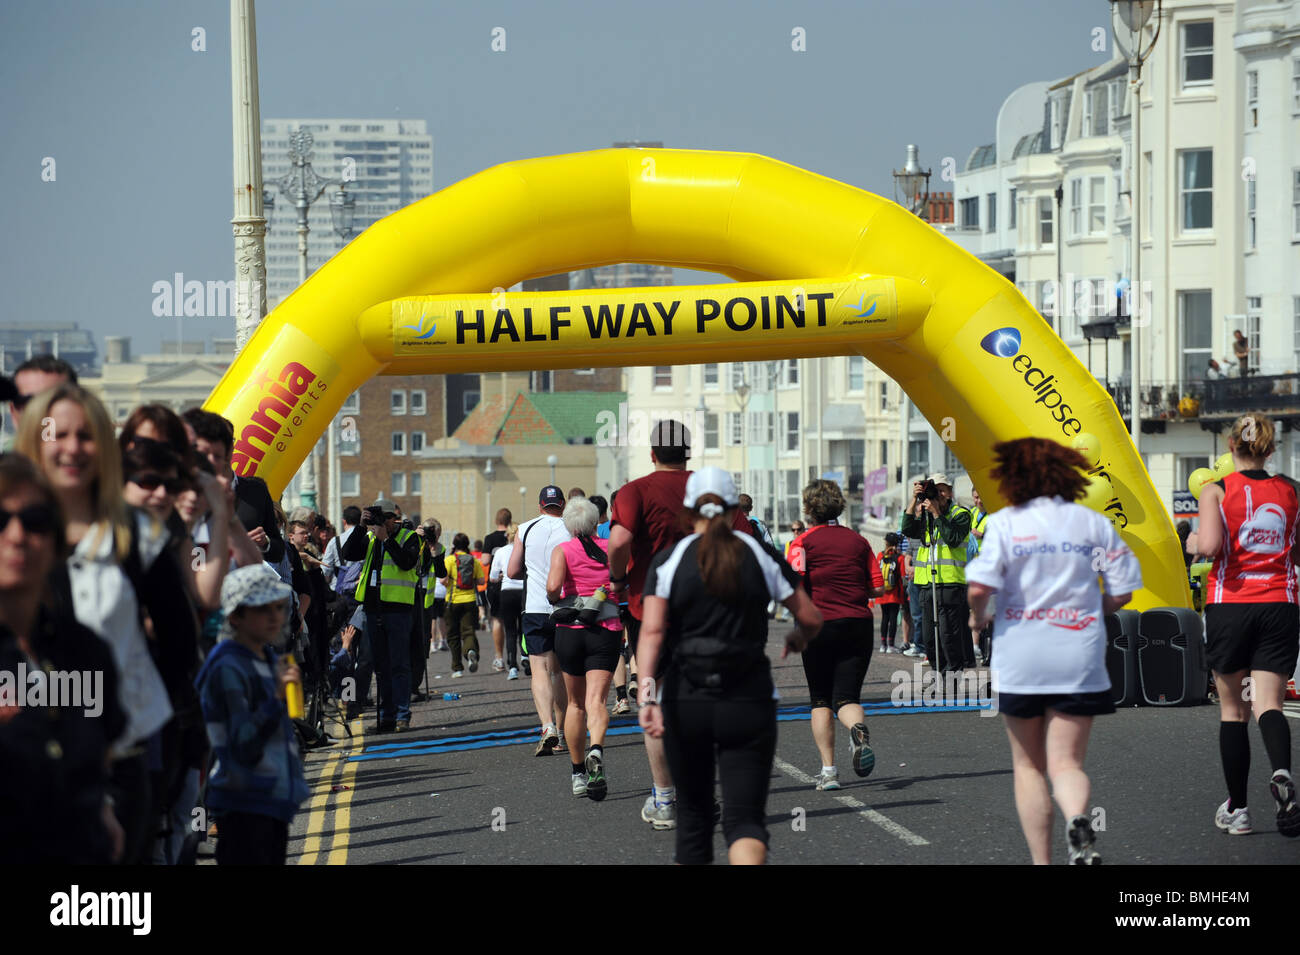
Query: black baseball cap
x=551 y=496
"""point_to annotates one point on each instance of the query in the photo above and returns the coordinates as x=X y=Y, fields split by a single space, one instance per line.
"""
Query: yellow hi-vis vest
x=396 y=586
x=950 y=562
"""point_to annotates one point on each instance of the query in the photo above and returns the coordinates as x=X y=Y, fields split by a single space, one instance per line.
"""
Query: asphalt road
x=464 y=787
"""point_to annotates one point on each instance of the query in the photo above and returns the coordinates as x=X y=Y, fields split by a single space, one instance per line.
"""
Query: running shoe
x=546 y=745
x=1081 y=839
x=497 y=665
x=661 y=817
x=1288 y=813
x=513 y=674
x=913 y=651
x=580 y=785
x=561 y=746
x=884 y=648
x=828 y=780
x=528 y=667
x=864 y=760
x=595 y=767
x=622 y=706
x=1234 y=823
x=457 y=674
x=472 y=657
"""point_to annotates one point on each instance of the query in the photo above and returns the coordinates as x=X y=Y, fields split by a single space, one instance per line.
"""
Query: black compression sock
x=621 y=691
x=578 y=769
x=1277 y=739
x=1234 y=750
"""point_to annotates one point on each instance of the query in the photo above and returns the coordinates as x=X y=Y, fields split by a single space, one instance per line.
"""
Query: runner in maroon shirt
x=840 y=574
x=648 y=516
x=1248 y=521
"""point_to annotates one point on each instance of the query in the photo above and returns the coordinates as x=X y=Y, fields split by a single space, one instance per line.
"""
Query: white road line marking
x=865 y=811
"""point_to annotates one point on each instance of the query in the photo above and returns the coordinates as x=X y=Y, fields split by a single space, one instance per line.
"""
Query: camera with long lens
x=929 y=491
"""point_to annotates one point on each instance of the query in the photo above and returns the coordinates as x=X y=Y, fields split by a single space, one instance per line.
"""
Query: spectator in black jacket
x=214 y=437
x=52 y=810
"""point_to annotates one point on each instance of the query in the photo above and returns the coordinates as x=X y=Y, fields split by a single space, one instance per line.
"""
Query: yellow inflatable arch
x=824 y=269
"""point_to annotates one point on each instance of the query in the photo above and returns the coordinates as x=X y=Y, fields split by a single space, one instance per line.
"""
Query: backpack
x=889 y=571
x=465 y=571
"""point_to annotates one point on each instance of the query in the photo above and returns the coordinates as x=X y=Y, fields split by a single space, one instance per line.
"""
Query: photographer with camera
x=942 y=528
x=386 y=591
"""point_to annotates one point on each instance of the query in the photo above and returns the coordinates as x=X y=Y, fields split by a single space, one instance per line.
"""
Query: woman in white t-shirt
x=1042 y=555
x=511 y=600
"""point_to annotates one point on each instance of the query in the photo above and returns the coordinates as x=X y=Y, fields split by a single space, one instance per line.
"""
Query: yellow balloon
x=1089 y=445
x=1097 y=494
x=1224 y=465
x=1197 y=480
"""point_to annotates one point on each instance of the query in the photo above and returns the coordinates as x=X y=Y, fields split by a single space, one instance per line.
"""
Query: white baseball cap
x=711 y=480
x=938 y=477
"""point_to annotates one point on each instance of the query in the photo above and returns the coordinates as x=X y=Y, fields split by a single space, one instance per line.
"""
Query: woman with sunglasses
x=118 y=563
x=54 y=804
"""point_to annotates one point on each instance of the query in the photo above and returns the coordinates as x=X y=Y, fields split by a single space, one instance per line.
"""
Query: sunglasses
x=150 y=482
x=37 y=519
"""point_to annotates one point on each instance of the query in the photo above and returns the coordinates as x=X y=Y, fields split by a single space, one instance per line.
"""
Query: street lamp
x=552 y=460
x=909 y=182
x=488 y=475
x=774 y=370
x=742 y=399
x=301 y=186
x=1128 y=19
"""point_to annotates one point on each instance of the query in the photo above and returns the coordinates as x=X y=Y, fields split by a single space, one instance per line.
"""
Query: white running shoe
x=661 y=817
x=1288 y=813
x=497 y=665
x=513 y=674
x=580 y=784
x=1235 y=823
x=458 y=674
x=621 y=707
x=828 y=780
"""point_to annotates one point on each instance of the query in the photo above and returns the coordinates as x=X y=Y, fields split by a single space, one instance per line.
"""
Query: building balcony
x=1213 y=404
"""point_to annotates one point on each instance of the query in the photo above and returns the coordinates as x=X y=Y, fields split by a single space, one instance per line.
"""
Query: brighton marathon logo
x=1005 y=343
x=740 y=314
x=419 y=327
x=290 y=397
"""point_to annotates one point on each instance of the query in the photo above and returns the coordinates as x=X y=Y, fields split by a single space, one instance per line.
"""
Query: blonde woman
x=115 y=551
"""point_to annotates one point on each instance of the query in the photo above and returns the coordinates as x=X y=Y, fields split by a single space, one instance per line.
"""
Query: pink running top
x=583 y=575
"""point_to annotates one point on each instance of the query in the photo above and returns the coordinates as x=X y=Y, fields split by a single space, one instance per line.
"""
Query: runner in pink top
x=584 y=576
x=588 y=638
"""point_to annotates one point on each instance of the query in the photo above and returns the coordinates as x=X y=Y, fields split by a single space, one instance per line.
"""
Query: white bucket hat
x=254 y=586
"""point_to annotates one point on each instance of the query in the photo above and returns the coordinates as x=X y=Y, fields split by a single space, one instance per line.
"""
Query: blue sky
x=139 y=124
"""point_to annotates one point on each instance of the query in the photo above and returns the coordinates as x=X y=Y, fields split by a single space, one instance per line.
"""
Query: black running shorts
x=1252 y=636
x=1027 y=706
x=580 y=649
x=835 y=663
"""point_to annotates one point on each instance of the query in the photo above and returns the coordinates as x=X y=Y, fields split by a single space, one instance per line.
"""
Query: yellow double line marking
x=318 y=811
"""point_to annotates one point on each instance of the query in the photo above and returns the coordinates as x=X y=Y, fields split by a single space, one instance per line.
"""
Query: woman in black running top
x=1248 y=522
x=705 y=606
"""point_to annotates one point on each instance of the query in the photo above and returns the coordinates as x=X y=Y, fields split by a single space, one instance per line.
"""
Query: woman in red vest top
x=1252 y=622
